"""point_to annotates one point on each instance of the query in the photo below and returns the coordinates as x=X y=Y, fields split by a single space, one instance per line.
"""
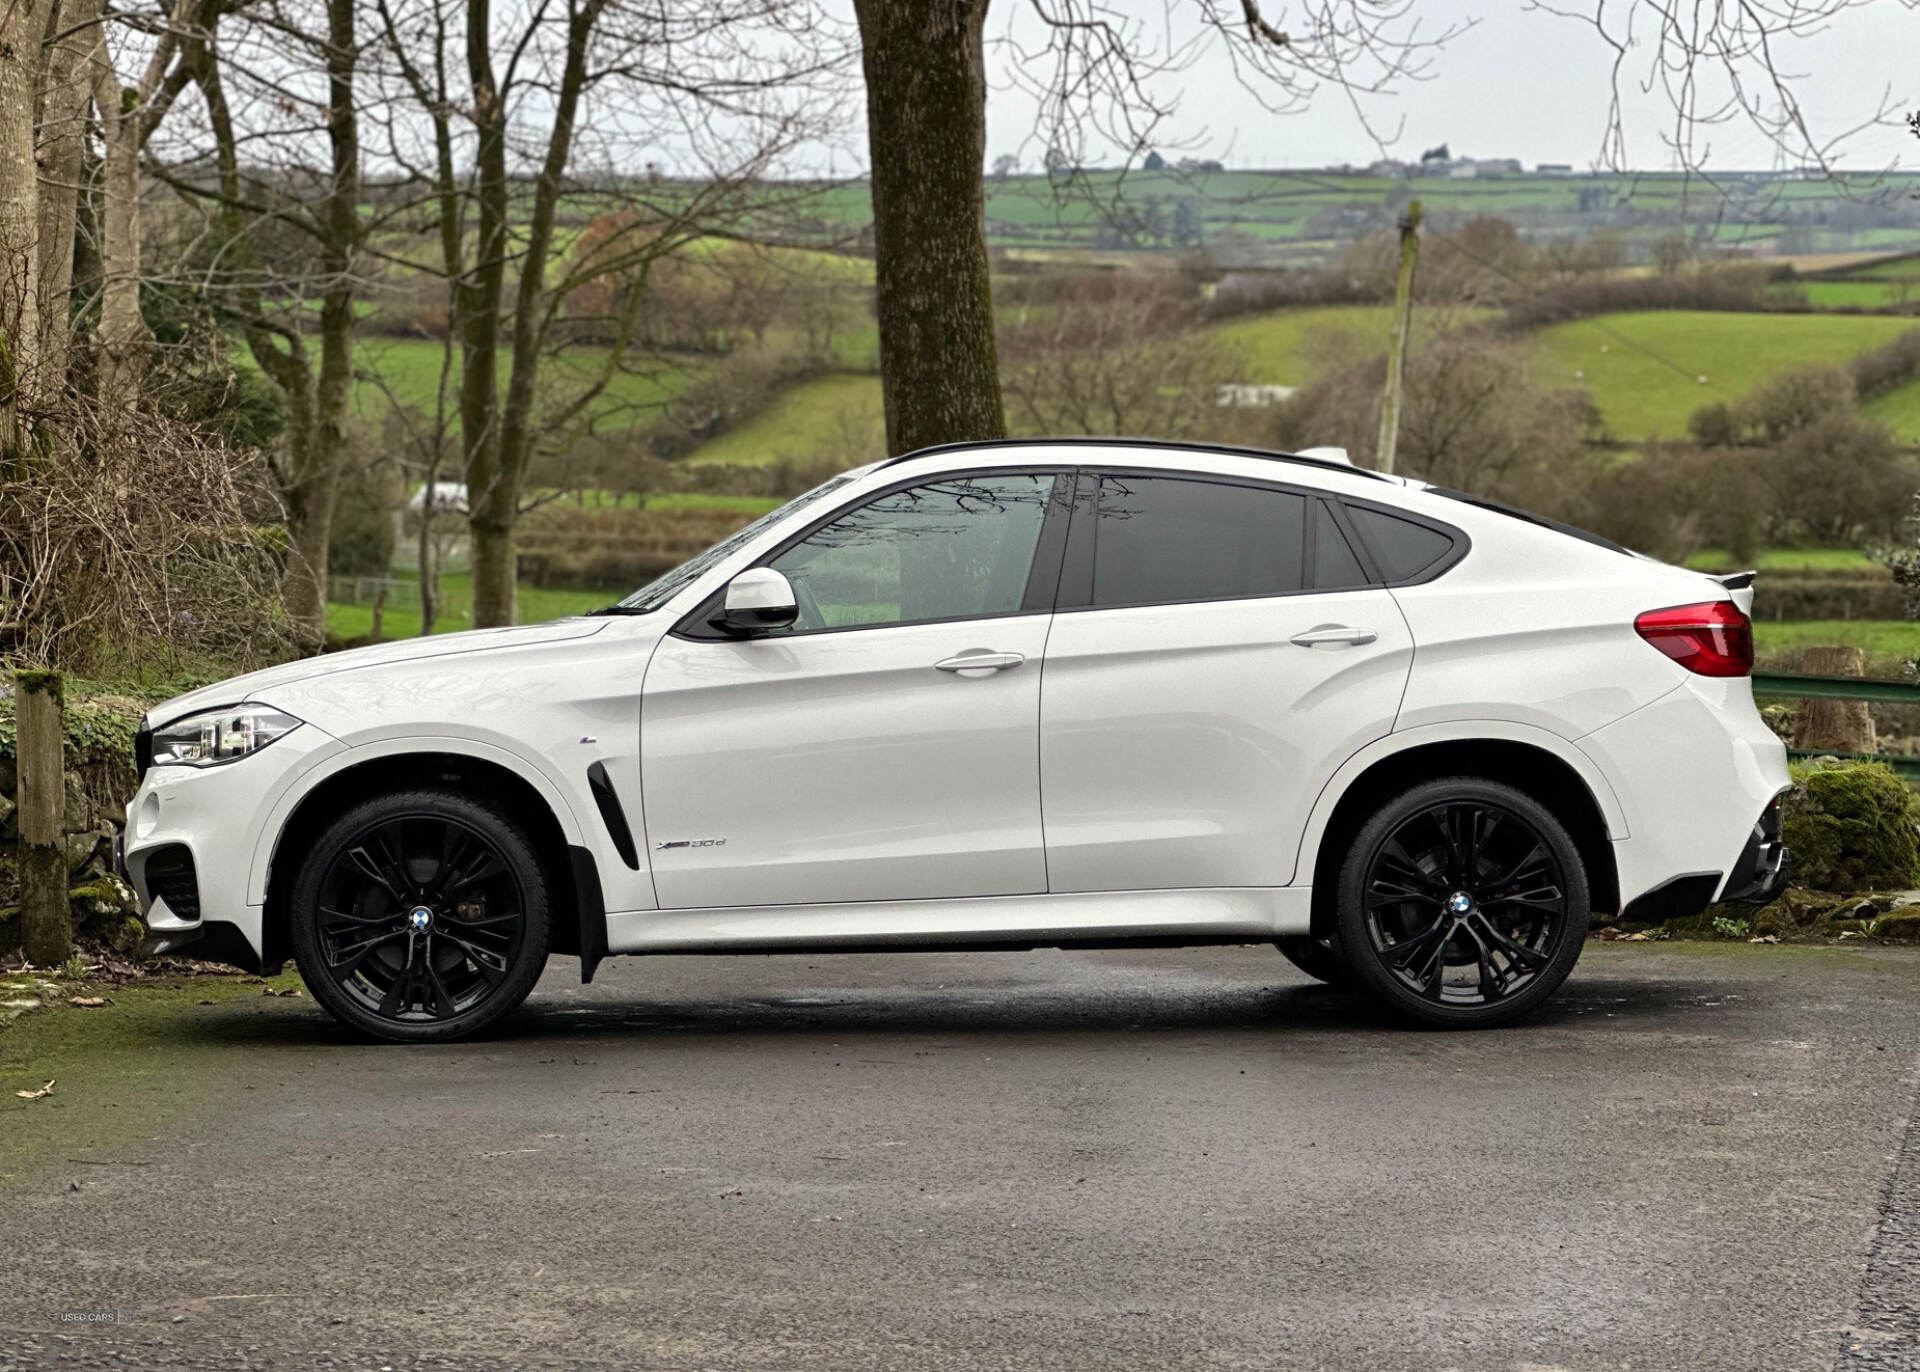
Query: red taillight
x=1713 y=638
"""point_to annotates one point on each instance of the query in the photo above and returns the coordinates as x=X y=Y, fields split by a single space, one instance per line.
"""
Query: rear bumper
x=1697 y=774
x=1760 y=873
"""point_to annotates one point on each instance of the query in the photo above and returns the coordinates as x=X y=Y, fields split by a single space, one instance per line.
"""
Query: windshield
x=665 y=587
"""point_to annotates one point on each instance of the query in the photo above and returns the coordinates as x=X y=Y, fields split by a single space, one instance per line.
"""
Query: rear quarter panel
x=1536 y=627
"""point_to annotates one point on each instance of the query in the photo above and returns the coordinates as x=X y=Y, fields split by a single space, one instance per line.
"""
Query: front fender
x=535 y=771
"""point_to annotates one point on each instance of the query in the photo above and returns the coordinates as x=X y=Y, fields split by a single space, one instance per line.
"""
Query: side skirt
x=1176 y=918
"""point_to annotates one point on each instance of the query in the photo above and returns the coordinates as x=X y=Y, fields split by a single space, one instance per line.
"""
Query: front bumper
x=194 y=841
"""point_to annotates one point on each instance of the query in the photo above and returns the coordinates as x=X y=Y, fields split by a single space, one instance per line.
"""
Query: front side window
x=1161 y=540
x=958 y=548
x=663 y=588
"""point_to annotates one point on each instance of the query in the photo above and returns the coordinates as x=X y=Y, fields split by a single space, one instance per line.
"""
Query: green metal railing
x=1796 y=687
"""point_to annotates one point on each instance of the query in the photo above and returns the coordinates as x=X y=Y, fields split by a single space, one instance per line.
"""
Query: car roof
x=1171 y=448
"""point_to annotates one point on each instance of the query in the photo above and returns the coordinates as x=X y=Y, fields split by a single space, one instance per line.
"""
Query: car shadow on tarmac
x=1067 y=1008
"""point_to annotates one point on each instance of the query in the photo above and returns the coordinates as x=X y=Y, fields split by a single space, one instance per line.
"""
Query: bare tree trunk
x=478 y=297
x=429 y=569
x=22 y=30
x=122 y=332
x=317 y=399
x=495 y=564
x=65 y=90
x=927 y=135
x=316 y=483
x=45 y=929
x=1834 y=726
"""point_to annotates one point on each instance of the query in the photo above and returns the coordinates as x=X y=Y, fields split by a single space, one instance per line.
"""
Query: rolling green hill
x=1649 y=371
x=835 y=415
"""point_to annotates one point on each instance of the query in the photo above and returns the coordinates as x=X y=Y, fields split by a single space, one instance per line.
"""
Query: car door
x=859 y=756
x=1218 y=651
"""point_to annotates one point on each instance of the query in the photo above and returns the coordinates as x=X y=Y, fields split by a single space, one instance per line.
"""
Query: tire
x=421 y=916
x=1401 y=926
x=1315 y=957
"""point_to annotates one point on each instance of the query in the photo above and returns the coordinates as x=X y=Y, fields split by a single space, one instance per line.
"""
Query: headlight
x=216 y=736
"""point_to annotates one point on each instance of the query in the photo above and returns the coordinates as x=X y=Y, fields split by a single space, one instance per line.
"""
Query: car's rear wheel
x=1314 y=956
x=1462 y=903
x=420 y=916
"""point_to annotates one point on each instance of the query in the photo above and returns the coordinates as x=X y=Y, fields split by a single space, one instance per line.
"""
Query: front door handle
x=980 y=660
x=1334 y=636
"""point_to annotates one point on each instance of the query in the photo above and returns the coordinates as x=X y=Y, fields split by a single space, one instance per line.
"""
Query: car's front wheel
x=420 y=916
x=1463 y=903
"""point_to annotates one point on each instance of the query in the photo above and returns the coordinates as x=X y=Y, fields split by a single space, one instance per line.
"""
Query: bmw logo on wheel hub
x=1459 y=902
x=419 y=918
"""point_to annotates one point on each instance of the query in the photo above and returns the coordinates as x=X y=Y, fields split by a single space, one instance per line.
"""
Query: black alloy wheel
x=1463 y=903
x=421 y=916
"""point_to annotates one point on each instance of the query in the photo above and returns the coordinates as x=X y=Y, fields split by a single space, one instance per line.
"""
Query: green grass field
x=1644 y=369
x=834 y=416
x=1783 y=560
x=409 y=370
x=456 y=610
x=1888 y=638
x=1865 y=295
x=1291 y=347
x=1898 y=410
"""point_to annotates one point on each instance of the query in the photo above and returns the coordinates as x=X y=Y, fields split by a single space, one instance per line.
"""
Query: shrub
x=1851 y=827
x=1796 y=399
x=1888 y=367
x=1837 y=478
x=1725 y=288
x=1713 y=426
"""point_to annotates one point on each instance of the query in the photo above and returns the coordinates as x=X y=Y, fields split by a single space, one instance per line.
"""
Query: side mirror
x=757 y=601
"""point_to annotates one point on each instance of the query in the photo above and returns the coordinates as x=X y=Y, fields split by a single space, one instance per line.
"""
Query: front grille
x=142 y=751
x=170 y=877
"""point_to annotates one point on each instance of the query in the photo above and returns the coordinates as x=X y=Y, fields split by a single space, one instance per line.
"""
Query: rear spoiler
x=1740 y=586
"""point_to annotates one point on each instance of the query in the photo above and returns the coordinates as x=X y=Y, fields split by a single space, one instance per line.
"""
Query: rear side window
x=1161 y=540
x=1401 y=548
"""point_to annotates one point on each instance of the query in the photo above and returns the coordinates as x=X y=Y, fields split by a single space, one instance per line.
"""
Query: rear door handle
x=1334 y=636
x=979 y=660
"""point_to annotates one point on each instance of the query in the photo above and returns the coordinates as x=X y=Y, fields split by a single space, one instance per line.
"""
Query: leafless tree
x=1096 y=71
x=279 y=90
x=555 y=105
x=1716 y=65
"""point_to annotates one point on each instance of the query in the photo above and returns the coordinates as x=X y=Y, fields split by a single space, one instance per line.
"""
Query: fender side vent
x=612 y=815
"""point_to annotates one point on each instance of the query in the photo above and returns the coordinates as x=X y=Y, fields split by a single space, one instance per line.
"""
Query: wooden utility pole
x=46 y=937
x=1397 y=349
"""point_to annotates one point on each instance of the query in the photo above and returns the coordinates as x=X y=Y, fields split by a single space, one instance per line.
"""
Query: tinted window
x=1402 y=548
x=1335 y=567
x=1159 y=540
x=949 y=550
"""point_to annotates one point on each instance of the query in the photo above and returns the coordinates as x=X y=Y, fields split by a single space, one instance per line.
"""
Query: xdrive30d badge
x=1020 y=694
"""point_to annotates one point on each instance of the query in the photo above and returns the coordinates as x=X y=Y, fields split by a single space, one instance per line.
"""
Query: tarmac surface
x=1698 y=1156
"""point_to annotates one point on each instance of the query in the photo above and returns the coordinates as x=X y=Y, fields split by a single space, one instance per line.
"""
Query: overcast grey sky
x=1521 y=83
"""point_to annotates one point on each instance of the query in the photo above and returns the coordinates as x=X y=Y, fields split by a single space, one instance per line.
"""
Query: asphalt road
x=1698 y=1158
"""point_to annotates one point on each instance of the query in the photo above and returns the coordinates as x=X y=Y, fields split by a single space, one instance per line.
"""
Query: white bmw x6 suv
x=1000 y=696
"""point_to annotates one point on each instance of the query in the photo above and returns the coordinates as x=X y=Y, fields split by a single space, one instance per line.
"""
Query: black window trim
x=1043 y=573
x=1076 y=580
